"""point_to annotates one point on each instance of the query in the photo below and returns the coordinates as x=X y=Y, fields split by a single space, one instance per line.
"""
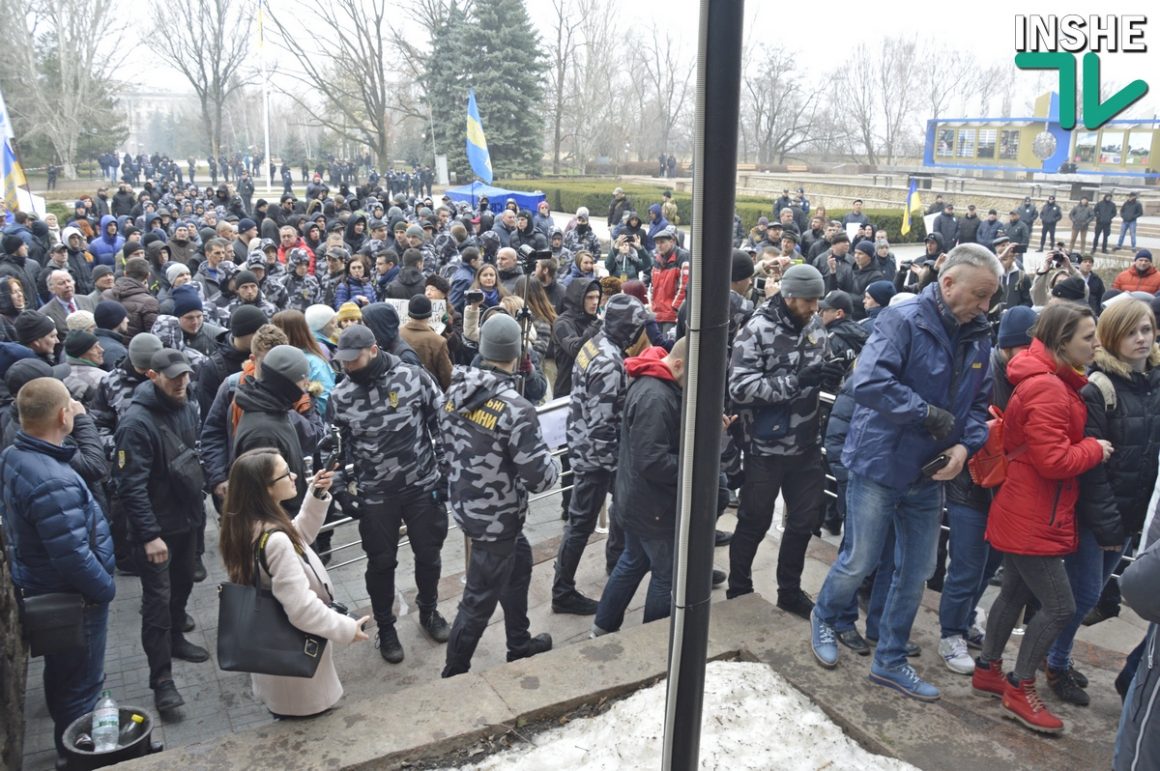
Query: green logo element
x=1095 y=112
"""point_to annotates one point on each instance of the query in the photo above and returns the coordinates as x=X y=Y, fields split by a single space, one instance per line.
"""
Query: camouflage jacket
x=495 y=454
x=262 y=304
x=390 y=428
x=114 y=393
x=302 y=292
x=768 y=353
x=596 y=404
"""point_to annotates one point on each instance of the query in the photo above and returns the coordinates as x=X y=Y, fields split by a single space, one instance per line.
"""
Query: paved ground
x=218 y=703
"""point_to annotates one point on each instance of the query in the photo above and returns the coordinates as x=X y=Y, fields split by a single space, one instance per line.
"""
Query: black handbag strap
x=260 y=559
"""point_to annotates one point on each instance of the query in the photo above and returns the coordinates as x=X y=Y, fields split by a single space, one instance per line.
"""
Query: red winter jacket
x=1034 y=511
x=668 y=278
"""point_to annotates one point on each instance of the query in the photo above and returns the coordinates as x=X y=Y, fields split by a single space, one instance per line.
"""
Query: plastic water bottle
x=106 y=723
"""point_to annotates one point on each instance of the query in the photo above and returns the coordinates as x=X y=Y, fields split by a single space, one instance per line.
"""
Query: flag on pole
x=912 y=204
x=10 y=169
x=477 y=154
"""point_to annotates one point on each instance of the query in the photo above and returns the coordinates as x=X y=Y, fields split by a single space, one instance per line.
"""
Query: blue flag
x=477 y=154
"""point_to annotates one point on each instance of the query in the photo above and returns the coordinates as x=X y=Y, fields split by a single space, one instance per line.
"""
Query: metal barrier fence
x=551 y=409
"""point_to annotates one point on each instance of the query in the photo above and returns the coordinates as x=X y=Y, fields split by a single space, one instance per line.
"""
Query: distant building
x=148 y=111
x=1121 y=148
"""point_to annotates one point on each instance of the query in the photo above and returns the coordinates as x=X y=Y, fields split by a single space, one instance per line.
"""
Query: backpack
x=988 y=466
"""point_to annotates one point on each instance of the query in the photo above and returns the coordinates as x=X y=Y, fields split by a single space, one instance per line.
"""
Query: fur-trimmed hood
x=1106 y=362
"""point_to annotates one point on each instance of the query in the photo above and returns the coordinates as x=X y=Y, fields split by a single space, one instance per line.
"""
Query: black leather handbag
x=53 y=623
x=254 y=633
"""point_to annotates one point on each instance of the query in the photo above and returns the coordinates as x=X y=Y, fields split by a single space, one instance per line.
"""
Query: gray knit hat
x=287 y=361
x=803 y=281
x=141 y=349
x=499 y=339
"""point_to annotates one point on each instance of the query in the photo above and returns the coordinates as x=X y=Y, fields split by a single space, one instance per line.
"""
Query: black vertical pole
x=714 y=192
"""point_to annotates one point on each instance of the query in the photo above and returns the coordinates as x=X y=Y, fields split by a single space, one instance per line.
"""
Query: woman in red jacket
x=1032 y=519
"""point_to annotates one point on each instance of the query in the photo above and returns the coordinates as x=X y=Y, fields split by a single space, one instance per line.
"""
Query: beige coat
x=306 y=603
x=431 y=348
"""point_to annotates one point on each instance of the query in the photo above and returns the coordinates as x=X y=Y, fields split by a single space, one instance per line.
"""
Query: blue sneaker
x=904 y=680
x=823 y=642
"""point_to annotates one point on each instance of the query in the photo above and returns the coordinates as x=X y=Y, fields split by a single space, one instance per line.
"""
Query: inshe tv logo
x=1055 y=42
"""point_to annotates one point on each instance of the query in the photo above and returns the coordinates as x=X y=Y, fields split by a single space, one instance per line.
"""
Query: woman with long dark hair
x=260 y=480
x=1033 y=517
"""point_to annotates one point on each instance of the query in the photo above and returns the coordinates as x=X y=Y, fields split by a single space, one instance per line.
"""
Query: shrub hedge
x=596 y=193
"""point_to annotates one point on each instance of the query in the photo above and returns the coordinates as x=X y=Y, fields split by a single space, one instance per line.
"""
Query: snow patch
x=752 y=719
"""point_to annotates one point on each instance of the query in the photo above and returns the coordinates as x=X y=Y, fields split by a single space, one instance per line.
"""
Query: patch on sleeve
x=122 y=459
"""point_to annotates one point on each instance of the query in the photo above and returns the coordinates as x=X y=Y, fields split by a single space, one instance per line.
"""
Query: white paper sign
x=438 y=309
x=928 y=221
x=852 y=229
x=554 y=422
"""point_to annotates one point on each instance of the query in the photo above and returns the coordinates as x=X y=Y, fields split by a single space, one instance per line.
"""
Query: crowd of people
x=369 y=352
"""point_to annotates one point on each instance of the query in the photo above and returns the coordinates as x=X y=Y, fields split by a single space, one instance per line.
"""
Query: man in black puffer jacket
x=576 y=324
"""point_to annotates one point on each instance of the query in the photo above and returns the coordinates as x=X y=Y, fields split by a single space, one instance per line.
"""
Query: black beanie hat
x=742 y=266
x=78 y=342
x=109 y=314
x=245 y=277
x=245 y=320
x=32 y=325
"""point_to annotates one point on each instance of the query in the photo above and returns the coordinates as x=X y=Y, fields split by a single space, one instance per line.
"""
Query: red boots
x=1021 y=702
x=988 y=679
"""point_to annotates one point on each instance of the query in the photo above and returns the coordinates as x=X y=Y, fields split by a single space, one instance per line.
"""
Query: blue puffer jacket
x=908 y=363
x=59 y=538
x=103 y=248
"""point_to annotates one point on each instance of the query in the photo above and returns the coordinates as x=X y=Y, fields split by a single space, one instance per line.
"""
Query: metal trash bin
x=140 y=745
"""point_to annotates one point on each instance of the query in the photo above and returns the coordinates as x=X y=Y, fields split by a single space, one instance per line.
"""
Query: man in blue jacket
x=58 y=541
x=922 y=386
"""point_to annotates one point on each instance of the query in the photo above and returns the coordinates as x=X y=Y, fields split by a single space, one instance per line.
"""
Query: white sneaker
x=954 y=653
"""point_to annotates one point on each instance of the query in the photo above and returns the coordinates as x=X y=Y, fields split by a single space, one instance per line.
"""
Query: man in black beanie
x=233 y=348
x=112 y=322
x=36 y=331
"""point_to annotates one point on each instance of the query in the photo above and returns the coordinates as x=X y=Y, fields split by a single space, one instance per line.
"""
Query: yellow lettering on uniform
x=483 y=418
x=495 y=405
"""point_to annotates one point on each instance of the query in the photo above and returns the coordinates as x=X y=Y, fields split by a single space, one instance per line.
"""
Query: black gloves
x=938 y=422
x=821 y=373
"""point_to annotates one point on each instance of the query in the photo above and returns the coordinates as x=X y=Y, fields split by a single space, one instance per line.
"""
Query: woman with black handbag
x=256 y=534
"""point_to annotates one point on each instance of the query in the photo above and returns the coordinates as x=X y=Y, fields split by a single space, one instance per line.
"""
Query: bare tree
x=207 y=41
x=780 y=120
x=667 y=77
x=855 y=82
x=58 y=72
x=354 y=77
x=897 y=60
x=943 y=75
x=564 y=34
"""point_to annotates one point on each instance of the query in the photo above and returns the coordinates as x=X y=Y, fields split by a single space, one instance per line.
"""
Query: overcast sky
x=822 y=35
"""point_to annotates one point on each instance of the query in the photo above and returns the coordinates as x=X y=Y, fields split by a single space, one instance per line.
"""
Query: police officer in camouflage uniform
x=596 y=402
x=780 y=360
x=388 y=414
x=495 y=457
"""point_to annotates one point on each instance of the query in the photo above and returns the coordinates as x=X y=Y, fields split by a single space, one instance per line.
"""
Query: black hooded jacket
x=382 y=319
x=572 y=329
x=266 y=421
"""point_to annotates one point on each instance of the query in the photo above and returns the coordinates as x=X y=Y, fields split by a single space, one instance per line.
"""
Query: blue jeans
x=1125 y=228
x=883 y=575
x=641 y=555
x=972 y=563
x=1088 y=568
x=73 y=679
x=871 y=509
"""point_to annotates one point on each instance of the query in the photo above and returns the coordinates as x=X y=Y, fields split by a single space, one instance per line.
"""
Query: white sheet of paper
x=554 y=422
x=438 y=308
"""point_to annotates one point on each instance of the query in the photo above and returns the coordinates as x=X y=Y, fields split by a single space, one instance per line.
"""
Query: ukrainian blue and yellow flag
x=477 y=154
x=10 y=169
x=912 y=204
